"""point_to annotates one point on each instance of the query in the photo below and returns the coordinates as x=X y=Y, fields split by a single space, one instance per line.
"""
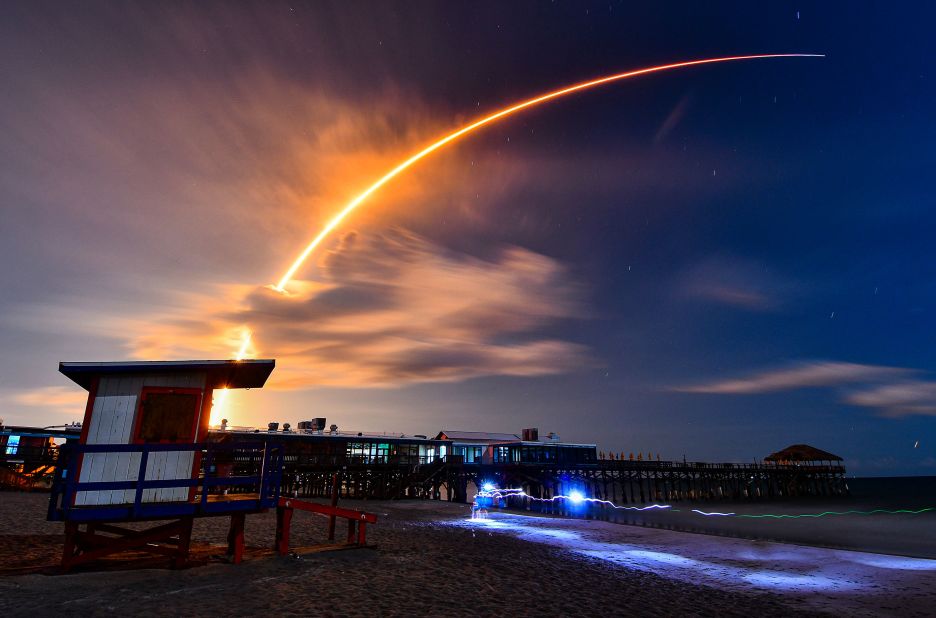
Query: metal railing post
x=141 y=477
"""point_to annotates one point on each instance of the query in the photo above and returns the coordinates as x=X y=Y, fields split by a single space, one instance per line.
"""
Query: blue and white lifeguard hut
x=143 y=456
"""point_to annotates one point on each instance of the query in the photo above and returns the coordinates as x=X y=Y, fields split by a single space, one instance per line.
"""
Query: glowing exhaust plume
x=281 y=285
x=218 y=405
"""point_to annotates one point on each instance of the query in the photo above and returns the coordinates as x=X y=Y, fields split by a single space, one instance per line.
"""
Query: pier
x=319 y=471
x=622 y=482
x=382 y=467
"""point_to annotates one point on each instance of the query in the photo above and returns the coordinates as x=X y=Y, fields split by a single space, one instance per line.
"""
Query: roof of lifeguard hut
x=250 y=373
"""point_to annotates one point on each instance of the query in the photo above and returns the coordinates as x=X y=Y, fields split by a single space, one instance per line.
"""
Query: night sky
x=713 y=263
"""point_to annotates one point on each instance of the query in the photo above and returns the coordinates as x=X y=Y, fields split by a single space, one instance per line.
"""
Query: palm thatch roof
x=802 y=452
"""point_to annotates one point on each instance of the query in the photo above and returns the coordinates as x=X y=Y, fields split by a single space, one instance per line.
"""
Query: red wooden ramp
x=357 y=521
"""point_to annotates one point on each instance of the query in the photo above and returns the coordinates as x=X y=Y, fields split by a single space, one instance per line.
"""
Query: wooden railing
x=262 y=463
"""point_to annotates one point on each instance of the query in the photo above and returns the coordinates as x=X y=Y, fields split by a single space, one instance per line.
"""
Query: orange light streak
x=297 y=264
x=245 y=342
x=220 y=401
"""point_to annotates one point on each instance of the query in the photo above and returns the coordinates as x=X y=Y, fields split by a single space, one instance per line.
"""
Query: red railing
x=284 y=513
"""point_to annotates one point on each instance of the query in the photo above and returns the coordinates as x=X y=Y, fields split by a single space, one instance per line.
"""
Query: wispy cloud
x=54 y=399
x=802 y=375
x=735 y=282
x=894 y=392
x=395 y=309
x=909 y=398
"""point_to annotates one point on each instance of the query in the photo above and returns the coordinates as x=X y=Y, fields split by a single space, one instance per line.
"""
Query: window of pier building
x=406 y=453
x=538 y=454
x=433 y=452
x=388 y=452
x=506 y=454
x=470 y=454
x=362 y=452
x=577 y=454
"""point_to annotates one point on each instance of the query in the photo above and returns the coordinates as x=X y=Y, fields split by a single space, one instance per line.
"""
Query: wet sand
x=430 y=559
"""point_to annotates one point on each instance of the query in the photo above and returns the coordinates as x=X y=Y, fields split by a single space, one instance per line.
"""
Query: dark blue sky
x=714 y=262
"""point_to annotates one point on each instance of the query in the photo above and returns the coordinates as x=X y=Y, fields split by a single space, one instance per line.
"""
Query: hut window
x=12 y=445
x=168 y=415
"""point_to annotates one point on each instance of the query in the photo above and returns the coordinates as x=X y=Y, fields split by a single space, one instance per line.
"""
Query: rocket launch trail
x=220 y=399
x=490 y=119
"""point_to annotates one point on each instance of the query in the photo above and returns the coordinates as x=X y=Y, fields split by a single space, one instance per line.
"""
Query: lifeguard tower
x=143 y=456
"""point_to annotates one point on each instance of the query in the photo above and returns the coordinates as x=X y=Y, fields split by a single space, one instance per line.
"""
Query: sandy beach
x=429 y=558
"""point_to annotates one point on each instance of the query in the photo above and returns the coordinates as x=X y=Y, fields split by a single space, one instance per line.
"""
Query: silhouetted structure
x=142 y=457
x=453 y=464
x=802 y=454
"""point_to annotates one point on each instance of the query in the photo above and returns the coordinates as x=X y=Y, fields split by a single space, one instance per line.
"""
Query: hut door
x=168 y=416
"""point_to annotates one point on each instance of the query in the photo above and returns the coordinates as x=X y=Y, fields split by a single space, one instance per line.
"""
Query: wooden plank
x=93 y=463
x=170 y=471
x=130 y=462
x=236 y=538
x=142 y=540
x=182 y=470
x=116 y=465
x=123 y=435
x=111 y=424
x=155 y=463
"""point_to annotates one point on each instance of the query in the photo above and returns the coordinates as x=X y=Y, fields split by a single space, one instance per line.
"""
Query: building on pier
x=803 y=455
x=28 y=454
x=475 y=447
x=480 y=448
x=346 y=447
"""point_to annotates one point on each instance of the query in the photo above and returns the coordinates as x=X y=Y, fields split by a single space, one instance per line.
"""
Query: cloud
x=909 y=398
x=802 y=375
x=50 y=399
x=139 y=188
x=394 y=309
x=890 y=390
x=173 y=173
x=735 y=282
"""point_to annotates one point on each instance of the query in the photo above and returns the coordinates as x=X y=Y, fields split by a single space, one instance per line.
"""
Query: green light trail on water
x=815 y=515
x=825 y=513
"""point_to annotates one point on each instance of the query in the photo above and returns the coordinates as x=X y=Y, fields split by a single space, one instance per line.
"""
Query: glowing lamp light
x=488 y=486
x=576 y=497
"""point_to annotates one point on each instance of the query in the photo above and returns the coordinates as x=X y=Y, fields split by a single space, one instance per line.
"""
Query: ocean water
x=912 y=492
x=816 y=521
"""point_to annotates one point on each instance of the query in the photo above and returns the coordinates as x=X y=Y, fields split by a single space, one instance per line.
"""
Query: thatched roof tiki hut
x=802 y=454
